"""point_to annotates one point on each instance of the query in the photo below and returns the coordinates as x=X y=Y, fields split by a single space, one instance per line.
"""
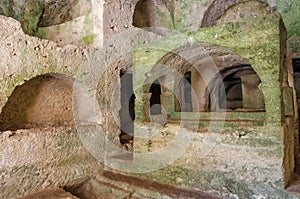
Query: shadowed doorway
x=155 y=101
x=126 y=113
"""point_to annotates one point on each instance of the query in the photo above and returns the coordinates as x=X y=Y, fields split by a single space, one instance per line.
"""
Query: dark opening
x=186 y=93
x=155 y=102
x=126 y=113
x=239 y=89
x=234 y=94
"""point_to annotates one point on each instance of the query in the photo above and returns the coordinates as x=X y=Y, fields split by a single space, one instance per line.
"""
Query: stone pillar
x=168 y=95
x=168 y=102
x=97 y=18
x=198 y=91
x=146 y=106
x=142 y=107
x=252 y=97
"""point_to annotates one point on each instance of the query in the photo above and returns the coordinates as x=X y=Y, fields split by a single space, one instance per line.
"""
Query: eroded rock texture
x=237 y=161
x=43 y=101
x=57 y=12
x=54 y=193
x=38 y=159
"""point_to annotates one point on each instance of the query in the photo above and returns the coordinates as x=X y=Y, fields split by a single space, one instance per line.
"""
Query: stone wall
x=36 y=159
x=240 y=162
x=24 y=57
x=257 y=41
x=66 y=22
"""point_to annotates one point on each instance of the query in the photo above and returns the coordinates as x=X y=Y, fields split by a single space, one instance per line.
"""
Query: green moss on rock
x=88 y=39
x=31 y=16
x=290 y=11
x=258 y=41
x=6 y=8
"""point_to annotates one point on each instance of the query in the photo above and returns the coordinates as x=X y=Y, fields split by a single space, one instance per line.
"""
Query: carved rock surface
x=57 y=12
x=43 y=101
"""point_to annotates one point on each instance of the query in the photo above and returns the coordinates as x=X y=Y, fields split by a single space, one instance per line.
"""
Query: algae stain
x=88 y=39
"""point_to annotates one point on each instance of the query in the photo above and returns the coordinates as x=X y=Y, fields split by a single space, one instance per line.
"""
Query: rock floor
x=111 y=184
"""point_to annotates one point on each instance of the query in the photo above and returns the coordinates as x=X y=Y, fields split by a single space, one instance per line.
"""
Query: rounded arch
x=43 y=101
x=248 y=96
x=219 y=7
x=203 y=61
x=155 y=100
x=185 y=57
x=155 y=13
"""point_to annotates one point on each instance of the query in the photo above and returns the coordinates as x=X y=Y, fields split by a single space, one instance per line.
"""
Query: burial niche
x=152 y=13
x=43 y=101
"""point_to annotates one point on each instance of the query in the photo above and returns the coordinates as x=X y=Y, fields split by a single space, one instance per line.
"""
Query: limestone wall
x=35 y=159
x=243 y=162
x=256 y=40
x=24 y=57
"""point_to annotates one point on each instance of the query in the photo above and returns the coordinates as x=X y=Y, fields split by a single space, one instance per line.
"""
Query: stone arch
x=154 y=13
x=43 y=101
x=220 y=7
x=155 y=99
x=177 y=64
x=247 y=95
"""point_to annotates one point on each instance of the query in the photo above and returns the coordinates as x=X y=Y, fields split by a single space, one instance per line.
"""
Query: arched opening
x=192 y=62
x=143 y=14
x=126 y=112
x=237 y=90
x=155 y=100
x=205 y=79
x=43 y=101
x=154 y=13
x=234 y=94
x=233 y=11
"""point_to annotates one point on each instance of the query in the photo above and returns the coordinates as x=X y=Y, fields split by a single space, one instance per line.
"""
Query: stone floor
x=111 y=185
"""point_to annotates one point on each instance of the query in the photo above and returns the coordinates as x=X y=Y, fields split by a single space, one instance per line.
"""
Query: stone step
x=111 y=184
